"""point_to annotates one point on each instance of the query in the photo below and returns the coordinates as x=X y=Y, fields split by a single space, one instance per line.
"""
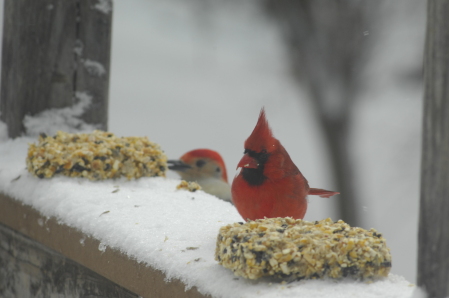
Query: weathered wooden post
x=52 y=50
x=433 y=243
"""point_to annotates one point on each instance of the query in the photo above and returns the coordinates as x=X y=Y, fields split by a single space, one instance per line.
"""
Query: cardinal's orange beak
x=247 y=162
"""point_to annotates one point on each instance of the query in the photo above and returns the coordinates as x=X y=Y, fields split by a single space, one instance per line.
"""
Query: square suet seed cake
x=297 y=249
x=98 y=155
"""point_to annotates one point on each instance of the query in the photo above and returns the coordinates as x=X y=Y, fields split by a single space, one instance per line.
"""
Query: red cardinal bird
x=270 y=184
x=207 y=168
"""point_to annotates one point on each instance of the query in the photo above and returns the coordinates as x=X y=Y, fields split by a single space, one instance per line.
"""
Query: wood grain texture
x=51 y=50
x=433 y=242
x=29 y=269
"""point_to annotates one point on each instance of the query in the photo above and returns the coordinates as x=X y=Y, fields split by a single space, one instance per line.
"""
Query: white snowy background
x=191 y=74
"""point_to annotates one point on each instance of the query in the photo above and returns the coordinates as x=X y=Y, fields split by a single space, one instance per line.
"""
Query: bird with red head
x=269 y=183
x=207 y=168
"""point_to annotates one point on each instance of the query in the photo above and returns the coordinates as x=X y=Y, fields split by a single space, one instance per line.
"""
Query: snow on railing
x=170 y=230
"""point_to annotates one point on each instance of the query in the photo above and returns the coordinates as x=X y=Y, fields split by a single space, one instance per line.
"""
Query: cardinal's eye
x=200 y=163
x=264 y=151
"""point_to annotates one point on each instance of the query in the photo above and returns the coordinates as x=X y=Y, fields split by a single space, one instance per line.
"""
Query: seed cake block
x=98 y=155
x=292 y=249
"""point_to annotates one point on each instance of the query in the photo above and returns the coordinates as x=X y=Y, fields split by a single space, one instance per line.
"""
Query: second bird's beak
x=177 y=165
x=248 y=162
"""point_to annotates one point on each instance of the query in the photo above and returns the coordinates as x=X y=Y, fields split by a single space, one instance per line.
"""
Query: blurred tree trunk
x=52 y=50
x=327 y=46
x=433 y=240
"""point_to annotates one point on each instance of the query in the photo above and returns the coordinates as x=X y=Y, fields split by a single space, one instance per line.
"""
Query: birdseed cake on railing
x=296 y=249
x=98 y=155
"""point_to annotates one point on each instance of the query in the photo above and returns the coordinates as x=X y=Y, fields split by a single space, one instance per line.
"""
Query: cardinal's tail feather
x=322 y=192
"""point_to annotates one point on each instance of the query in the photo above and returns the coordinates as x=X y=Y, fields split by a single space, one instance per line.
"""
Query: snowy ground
x=192 y=74
x=174 y=231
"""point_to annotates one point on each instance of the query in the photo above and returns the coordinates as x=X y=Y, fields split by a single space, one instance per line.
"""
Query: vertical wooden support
x=53 y=49
x=433 y=242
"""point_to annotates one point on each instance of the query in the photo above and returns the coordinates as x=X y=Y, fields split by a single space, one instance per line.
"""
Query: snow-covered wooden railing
x=144 y=235
x=18 y=252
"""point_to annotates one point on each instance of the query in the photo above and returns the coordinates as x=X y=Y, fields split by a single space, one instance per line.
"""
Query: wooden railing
x=40 y=257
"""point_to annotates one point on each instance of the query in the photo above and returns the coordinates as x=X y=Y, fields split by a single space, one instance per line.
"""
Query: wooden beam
x=433 y=242
x=29 y=269
x=51 y=50
x=112 y=264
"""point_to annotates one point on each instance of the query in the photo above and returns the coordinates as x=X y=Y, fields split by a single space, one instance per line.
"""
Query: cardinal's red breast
x=273 y=198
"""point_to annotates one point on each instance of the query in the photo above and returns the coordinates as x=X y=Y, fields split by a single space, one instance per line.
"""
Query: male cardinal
x=207 y=168
x=270 y=184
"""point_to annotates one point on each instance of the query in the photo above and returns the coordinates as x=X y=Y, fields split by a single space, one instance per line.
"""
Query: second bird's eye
x=200 y=163
x=217 y=169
